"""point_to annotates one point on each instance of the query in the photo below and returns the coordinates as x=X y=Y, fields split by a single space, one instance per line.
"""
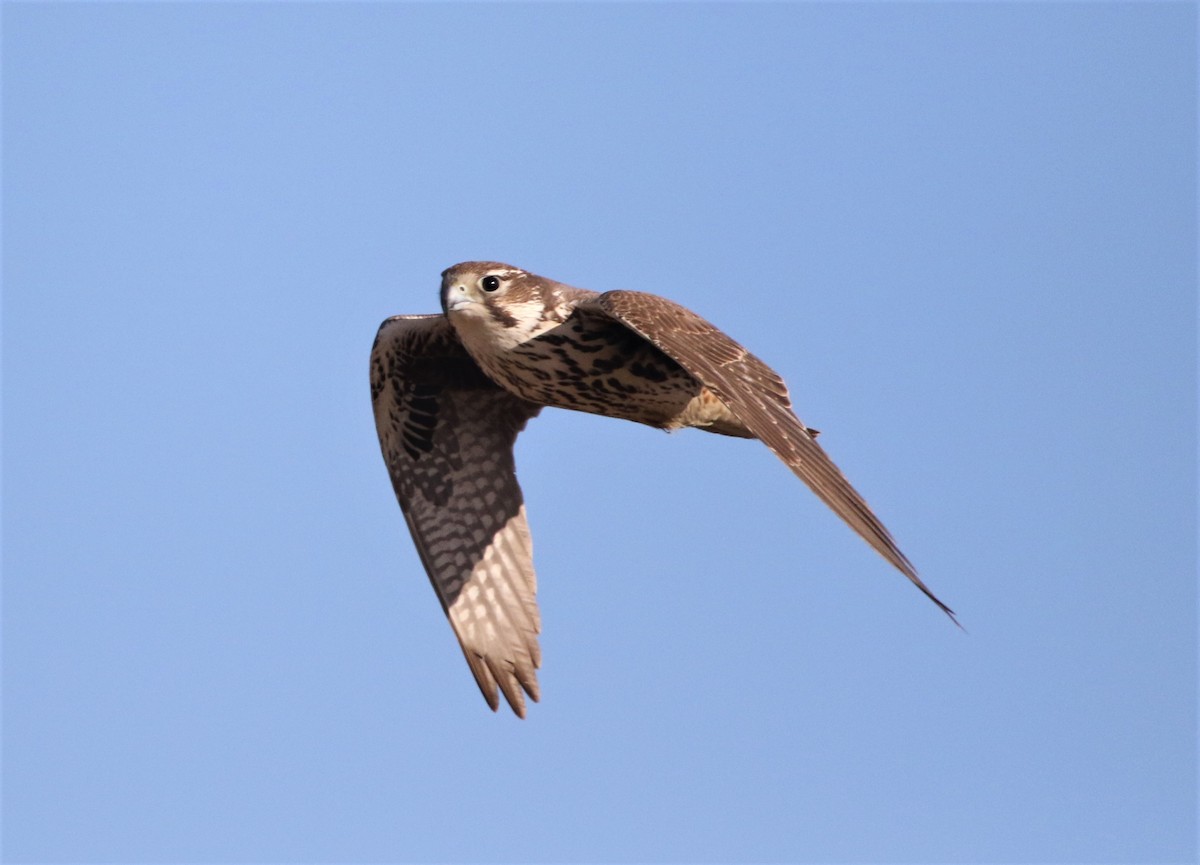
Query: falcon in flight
x=452 y=391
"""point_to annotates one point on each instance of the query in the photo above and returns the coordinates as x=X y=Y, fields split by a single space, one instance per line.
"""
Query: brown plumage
x=451 y=392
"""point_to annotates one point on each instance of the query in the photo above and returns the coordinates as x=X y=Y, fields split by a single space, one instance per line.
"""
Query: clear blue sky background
x=965 y=234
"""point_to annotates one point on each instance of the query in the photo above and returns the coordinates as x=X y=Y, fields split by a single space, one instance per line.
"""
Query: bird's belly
x=606 y=370
x=637 y=386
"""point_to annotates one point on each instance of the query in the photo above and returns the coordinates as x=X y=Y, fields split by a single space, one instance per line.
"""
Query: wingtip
x=946 y=610
x=516 y=699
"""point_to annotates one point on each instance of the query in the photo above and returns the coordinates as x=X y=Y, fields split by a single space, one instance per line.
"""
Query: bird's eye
x=490 y=283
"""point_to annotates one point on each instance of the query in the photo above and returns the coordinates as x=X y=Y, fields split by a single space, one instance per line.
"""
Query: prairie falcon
x=452 y=391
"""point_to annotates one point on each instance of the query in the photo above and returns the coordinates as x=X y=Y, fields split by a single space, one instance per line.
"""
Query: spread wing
x=447 y=436
x=758 y=397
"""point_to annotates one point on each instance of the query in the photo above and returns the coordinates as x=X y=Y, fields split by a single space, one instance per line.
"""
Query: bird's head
x=499 y=303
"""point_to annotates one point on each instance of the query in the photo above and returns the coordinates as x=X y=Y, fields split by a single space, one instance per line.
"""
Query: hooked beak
x=455 y=296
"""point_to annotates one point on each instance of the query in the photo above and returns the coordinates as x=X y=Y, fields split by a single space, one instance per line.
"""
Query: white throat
x=483 y=333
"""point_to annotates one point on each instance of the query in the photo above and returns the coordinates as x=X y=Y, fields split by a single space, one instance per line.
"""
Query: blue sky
x=964 y=233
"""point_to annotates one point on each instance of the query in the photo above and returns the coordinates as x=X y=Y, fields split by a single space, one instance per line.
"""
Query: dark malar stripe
x=500 y=314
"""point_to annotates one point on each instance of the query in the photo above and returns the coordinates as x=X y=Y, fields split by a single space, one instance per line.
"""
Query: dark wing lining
x=759 y=398
x=447 y=434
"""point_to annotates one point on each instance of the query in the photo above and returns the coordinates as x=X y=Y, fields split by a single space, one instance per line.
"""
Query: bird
x=452 y=390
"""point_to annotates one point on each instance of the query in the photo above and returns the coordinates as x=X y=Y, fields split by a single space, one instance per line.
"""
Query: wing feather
x=447 y=434
x=759 y=398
